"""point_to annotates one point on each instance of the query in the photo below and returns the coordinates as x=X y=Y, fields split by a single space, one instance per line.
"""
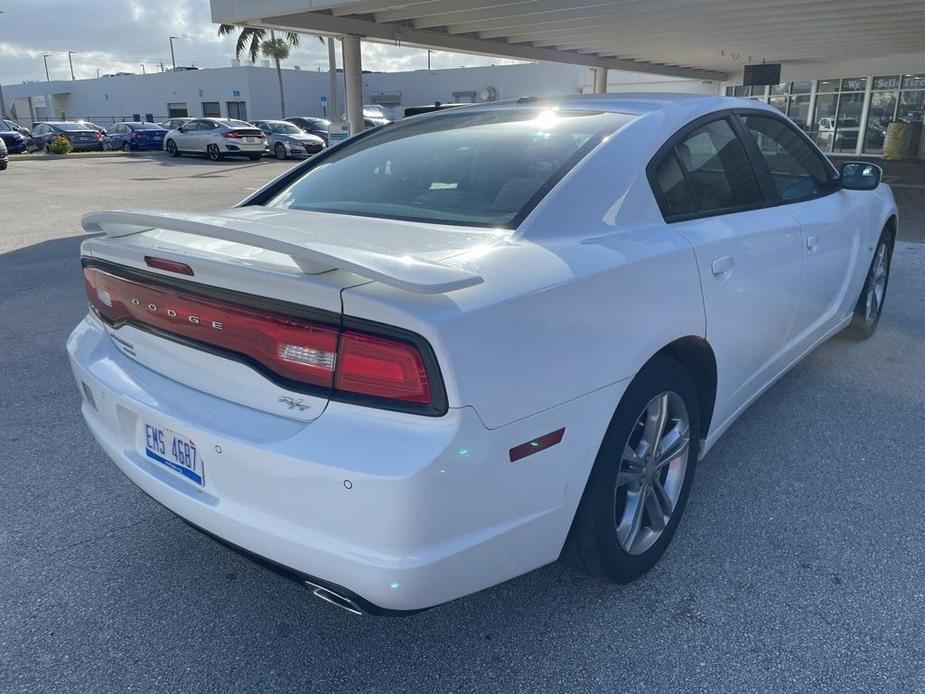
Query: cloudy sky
x=121 y=35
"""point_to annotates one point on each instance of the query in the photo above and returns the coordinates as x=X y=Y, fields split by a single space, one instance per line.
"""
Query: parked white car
x=450 y=351
x=216 y=138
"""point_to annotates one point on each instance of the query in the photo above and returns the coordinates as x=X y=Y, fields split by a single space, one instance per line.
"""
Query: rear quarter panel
x=552 y=321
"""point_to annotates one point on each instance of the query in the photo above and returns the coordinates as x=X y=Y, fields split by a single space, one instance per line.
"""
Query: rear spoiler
x=420 y=276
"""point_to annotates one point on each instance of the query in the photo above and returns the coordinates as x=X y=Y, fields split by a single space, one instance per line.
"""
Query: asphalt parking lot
x=799 y=565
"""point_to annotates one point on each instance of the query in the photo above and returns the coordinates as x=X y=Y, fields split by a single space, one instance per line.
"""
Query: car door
x=190 y=139
x=40 y=135
x=117 y=136
x=208 y=131
x=749 y=256
x=832 y=221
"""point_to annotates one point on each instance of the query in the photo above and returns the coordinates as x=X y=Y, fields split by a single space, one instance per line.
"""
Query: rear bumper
x=400 y=511
x=16 y=147
x=242 y=148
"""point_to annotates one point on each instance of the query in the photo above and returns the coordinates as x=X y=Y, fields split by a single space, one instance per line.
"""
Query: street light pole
x=173 y=60
x=70 y=61
x=45 y=58
x=143 y=69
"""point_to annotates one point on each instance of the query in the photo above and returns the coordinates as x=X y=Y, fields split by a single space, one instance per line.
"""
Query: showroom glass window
x=884 y=97
x=797 y=170
x=836 y=123
x=790 y=98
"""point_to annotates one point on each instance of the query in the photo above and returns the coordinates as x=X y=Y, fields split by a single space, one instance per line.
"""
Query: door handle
x=812 y=241
x=722 y=266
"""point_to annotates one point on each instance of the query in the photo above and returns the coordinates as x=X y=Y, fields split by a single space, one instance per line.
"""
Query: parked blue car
x=14 y=140
x=80 y=136
x=135 y=136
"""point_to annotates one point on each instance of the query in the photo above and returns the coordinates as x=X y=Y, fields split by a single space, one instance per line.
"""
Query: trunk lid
x=297 y=263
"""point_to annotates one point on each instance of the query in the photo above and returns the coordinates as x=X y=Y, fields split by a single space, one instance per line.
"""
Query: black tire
x=126 y=147
x=3 y=165
x=593 y=544
x=214 y=153
x=279 y=151
x=864 y=324
x=254 y=157
x=172 y=148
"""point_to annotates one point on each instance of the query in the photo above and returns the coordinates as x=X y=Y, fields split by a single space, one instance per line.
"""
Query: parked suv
x=216 y=138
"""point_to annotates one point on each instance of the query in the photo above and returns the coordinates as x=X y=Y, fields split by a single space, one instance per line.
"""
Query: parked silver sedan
x=216 y=138
x=286 y=140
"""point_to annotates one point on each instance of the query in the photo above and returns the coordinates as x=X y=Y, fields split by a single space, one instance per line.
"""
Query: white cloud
x=121 y=35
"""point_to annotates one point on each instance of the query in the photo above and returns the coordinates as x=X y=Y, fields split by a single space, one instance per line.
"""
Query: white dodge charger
x=451 y=350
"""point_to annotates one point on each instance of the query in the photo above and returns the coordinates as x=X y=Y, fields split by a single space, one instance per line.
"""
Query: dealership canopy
x=703 y=39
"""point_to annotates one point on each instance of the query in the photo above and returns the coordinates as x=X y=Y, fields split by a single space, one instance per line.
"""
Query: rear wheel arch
x=695 y=354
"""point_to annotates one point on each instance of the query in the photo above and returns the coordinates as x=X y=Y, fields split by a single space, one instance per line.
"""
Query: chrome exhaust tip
x=329 y=596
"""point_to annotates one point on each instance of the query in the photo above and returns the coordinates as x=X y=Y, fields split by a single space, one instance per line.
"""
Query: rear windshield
x=481 y=168
x=144 y=126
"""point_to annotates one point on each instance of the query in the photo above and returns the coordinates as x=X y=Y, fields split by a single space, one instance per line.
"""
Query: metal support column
x=353 y=82
x=600 y=80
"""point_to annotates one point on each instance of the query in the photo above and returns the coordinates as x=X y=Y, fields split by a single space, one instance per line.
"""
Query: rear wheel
x=172 y=148
x=125 y=147
x=280 y=150
x=214 y=153
x=641 y=478
x=870 y=304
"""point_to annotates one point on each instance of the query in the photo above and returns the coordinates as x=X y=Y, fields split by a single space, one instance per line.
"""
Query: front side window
x=718 y=170
x=796 y=169
x=480 y=168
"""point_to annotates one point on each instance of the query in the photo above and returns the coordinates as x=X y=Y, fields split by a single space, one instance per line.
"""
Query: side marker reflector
x=536 y=445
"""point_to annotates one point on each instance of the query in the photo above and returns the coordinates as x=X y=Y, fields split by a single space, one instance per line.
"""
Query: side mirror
x=860 y=175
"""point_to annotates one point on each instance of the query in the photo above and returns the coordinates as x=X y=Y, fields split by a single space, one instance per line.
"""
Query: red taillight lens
x=295 y=349
x=231 y=133
x=384 y=368
x=349 y=361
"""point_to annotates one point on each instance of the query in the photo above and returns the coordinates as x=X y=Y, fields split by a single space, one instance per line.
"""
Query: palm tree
x=254 y=41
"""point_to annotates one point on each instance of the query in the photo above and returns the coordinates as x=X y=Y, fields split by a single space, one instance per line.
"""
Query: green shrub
x=60 y=145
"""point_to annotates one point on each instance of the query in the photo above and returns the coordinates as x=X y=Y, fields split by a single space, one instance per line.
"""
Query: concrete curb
x=81 y=155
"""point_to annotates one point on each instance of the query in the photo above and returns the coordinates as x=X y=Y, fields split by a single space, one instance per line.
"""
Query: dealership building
x=844 y=86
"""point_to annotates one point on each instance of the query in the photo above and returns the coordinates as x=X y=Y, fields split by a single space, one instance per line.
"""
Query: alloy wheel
x=280 y=150
x=651 y=473
x=876 y=283
x=213 y=152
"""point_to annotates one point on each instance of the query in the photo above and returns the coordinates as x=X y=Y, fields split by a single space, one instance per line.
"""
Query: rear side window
x=798 y=171
x=481 y=168
x=718 y=170
x=673 y=194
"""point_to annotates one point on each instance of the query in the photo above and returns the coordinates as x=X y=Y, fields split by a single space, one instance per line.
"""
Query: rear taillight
x=380 y=367
x=323 y=356
x=231 y=133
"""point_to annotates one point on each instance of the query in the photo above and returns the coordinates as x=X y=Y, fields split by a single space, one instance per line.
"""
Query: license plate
x=175 y=452
x=250 y=140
